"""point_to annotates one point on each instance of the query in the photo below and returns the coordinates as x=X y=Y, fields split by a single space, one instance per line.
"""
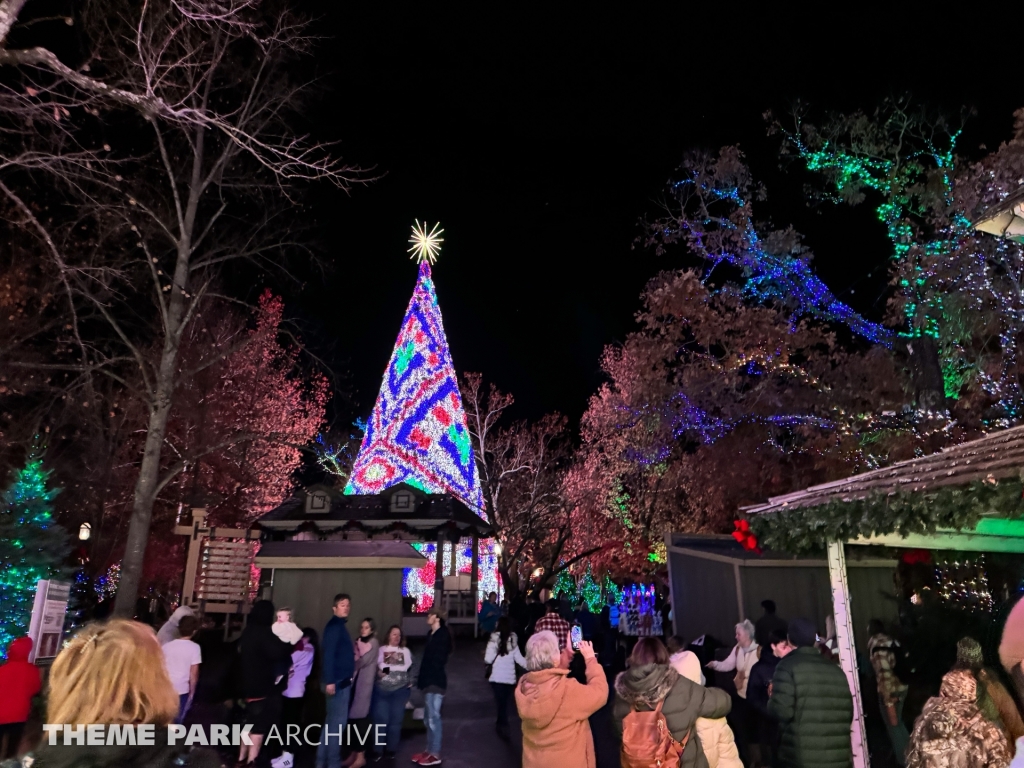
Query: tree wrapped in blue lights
x=32 y=546
x=712 y=215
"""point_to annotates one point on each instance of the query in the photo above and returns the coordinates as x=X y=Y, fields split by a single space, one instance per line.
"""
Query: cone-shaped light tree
x=417 y=432
x=32 y=545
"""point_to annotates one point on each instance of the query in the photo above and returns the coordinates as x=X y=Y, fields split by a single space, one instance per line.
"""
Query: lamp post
x=84 y=532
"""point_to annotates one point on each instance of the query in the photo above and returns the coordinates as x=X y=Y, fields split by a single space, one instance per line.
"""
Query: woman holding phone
x=501 y=657
x=393 y=688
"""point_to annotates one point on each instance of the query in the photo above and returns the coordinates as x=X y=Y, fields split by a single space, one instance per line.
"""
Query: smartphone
x=576 y=637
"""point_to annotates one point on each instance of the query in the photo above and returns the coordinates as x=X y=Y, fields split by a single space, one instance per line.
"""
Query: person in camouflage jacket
x=952 y=732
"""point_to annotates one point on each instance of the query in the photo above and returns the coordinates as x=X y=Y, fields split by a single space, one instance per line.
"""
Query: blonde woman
x=113 y=673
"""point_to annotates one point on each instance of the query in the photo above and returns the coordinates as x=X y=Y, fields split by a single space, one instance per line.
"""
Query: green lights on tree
x=32 y=546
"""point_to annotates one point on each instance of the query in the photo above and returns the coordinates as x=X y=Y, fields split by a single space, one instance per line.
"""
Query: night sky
x=539 y=141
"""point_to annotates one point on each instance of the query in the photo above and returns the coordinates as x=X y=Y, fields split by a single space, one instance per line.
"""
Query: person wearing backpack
x=656 y=710
x=555 y=709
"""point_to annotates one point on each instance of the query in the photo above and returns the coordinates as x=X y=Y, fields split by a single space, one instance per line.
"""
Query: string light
x=417 y=433
x=418 y=583
x=32 y=546
x=938 y=255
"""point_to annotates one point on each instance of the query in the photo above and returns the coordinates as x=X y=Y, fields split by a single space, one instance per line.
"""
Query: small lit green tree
x=32 y=545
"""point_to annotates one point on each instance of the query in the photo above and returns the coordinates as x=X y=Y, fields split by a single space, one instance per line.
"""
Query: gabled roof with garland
x=986 y=459
x=966 y=496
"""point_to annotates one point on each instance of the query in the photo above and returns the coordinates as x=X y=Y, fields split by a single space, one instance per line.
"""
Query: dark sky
x=540 y=140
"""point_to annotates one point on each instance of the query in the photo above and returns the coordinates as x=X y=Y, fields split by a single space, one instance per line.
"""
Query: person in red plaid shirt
x=552 y=622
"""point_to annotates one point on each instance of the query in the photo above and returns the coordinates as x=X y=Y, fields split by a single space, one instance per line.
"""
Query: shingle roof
x=995 y=456
x=430 y=511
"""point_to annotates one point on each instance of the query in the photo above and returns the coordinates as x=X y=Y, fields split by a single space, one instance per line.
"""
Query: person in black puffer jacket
x=811 y=700
x=113 y=673
x=263 y=661
x=433 y=681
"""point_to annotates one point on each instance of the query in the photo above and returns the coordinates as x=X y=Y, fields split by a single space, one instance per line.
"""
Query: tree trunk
x=510 y=585
x=142 y=504
x=149 y=471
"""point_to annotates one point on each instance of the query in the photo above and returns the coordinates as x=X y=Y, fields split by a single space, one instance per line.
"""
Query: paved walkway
x=469 y=738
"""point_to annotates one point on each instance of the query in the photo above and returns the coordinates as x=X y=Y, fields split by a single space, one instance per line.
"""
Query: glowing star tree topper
x=425 y=244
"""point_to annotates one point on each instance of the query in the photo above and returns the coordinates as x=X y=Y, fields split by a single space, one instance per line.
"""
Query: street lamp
x=84 y=532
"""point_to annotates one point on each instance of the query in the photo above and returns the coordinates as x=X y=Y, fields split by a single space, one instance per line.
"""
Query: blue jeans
x=389 y=711
x=182 y=708
x=328 y=753
x=432 y=720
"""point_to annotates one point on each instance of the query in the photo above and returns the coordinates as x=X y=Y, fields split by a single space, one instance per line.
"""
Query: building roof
x=992 y=457
x=424 y=512
x=1005 y=218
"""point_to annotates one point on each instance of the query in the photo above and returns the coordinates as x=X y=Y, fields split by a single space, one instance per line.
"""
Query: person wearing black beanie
x=802 y=633
x=812 y=703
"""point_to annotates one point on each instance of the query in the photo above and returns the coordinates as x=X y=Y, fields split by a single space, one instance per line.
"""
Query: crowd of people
x=782 y=699
x=789 y=703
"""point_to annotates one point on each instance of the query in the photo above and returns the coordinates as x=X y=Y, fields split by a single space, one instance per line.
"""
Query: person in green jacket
x=649 y=679
x=810 y=698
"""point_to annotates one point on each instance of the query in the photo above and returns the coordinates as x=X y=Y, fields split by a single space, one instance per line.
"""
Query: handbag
x=488 y=668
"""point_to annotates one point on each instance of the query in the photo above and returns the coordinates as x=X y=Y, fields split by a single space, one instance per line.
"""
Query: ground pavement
x=469 y=738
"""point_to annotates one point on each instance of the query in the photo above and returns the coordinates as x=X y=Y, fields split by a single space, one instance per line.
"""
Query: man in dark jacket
x=811 y=700
x=433 y=681
x=768 y=623
x=757 y=695
x=339 y=664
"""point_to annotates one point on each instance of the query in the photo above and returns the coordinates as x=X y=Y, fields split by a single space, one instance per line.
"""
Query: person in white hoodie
x=715 y=735
x=502 y=655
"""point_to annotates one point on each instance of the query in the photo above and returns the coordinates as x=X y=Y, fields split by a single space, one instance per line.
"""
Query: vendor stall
x=716 y=583
x=966 y=498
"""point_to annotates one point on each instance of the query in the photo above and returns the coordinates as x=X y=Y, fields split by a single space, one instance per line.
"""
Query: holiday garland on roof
x=32 y=546
x=809 y=529
x=417 y=433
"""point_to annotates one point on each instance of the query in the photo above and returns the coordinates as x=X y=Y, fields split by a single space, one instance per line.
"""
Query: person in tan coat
x=555 y=709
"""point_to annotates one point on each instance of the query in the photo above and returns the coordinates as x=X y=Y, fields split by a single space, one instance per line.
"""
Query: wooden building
x=323 y=542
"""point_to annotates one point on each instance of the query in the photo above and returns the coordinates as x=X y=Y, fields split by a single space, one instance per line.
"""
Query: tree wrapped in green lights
x=956 y=299
x=32 y=545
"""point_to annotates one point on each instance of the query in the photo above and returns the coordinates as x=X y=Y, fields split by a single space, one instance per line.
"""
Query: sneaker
x=430 y=760
x=286 y=760
x=418 y=756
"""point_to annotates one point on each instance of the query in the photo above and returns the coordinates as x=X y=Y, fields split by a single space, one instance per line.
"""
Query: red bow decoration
x=745 y=537
x=915 y=556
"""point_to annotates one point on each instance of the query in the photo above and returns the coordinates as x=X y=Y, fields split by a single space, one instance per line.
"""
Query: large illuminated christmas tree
x=417 y=432
x=32 y=546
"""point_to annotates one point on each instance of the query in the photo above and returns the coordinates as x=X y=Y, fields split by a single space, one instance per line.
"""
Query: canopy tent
x=966 y=497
